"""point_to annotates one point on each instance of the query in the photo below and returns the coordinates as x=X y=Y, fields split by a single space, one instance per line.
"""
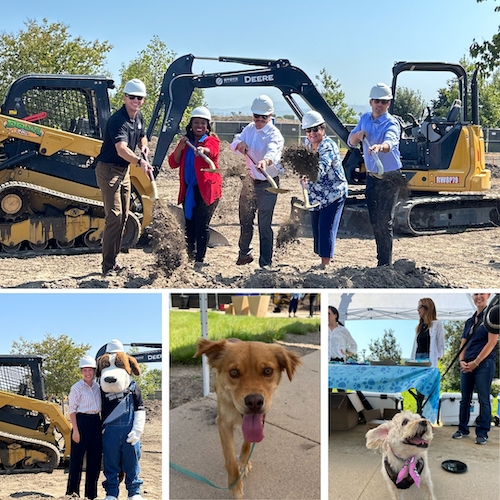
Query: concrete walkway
x=285 y=465
x=354 y=471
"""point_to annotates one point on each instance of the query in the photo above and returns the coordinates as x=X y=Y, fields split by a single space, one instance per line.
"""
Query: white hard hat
x=114 y=346
x=201 y=112
x=262 y=105
x=87 y=362
x=381 y=91
x=135 y=87
x=311 y=119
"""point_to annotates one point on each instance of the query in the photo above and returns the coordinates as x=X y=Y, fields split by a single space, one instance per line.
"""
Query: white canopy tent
x=450 y=306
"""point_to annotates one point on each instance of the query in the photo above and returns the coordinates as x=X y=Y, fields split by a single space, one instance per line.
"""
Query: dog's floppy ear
x=375 y=438
x=213 y=349
x=288 y=360
x=134 y=366
x=101 y=365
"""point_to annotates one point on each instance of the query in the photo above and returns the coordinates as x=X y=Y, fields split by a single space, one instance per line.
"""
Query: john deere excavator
x=34 y=434
x=443 y=158
x=51 y=130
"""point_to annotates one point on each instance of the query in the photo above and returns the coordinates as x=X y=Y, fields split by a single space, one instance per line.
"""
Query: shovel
x=206 y=158
x=152 y=179
x=274 y=187
x=306 y=205
x=375 y=155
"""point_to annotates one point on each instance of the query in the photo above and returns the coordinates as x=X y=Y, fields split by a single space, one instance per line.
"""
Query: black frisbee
x=454 y=466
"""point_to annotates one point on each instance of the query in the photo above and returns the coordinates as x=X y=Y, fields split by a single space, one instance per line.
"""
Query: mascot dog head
x=115 y=371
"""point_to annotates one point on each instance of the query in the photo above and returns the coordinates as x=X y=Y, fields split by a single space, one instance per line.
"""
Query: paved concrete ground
x=354 y=471
x=285 y=465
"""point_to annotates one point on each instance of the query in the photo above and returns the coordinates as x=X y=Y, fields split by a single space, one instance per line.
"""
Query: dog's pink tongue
x=418 y=440
x=253 y=428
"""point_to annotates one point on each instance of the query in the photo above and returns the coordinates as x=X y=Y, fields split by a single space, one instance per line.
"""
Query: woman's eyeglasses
x=313 y=129
x=421 y=307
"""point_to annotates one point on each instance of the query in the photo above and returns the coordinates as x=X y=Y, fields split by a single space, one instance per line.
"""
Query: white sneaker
x=136 y=497
x=110 y=498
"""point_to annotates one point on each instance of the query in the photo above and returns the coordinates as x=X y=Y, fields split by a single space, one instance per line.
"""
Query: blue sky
x=357 y=41
x=93 y=318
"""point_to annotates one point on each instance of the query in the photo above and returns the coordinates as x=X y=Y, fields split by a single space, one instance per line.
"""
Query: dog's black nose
x=110 y=380
x=254 y=402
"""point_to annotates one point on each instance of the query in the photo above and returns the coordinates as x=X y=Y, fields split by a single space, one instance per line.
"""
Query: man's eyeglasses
x=313 y=129
x=381 y=101
x=264 y=117
x=132 y=97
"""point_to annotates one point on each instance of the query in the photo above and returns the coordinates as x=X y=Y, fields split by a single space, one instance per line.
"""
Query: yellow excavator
x=34 y=434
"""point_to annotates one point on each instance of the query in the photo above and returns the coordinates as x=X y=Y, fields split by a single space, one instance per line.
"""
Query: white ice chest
x=450 y=408
x=385 y=400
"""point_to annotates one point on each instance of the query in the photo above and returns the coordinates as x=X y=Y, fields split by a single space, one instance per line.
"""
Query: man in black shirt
x=124 y=132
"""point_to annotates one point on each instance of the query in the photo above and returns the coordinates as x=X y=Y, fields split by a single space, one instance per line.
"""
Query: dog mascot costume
x=123 y=417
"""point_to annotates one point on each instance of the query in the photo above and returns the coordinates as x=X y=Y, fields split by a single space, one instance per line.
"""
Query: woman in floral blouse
x=329 y=190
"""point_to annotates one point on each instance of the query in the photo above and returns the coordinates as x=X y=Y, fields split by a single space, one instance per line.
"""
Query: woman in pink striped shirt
x=84 y=413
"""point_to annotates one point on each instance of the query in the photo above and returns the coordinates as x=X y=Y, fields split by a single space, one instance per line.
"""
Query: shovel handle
x=151 y=178
x=380 y=166
x=205 y=157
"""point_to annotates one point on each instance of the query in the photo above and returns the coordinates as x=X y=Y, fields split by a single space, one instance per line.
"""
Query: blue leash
x=205 y=480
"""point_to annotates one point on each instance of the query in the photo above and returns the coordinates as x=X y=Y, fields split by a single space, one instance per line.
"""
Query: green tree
x=489 y=96
x=385 y=348
x=62 y=356
x=487 y=52
x=48 y=48
x=331 y=91
x=453 y=336
x=408 y=101
x=150 y=66
x=150 y=380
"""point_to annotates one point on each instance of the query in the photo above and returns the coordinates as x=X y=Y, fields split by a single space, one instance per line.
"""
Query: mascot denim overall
x=117 y=451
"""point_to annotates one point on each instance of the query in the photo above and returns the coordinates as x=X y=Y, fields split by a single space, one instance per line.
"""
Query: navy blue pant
x=381 y=198
x=89 y=427
x=325 y=224
x=481 y=378
x=254 y=198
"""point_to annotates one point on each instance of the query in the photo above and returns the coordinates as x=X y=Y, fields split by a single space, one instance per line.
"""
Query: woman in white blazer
x=429 y=336
x=429 y=339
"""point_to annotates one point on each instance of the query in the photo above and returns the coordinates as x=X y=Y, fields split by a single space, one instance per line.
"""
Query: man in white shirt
x=262 y=144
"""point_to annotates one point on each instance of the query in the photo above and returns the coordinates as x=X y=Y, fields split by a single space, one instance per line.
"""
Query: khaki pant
x=114 y=182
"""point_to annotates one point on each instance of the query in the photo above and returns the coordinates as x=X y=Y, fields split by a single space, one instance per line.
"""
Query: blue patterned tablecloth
x=386 y=379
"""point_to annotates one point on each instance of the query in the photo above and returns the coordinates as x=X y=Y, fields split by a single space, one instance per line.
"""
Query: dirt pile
x=167 y=238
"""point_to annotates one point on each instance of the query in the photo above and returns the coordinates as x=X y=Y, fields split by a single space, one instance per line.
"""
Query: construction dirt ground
x=468 y=259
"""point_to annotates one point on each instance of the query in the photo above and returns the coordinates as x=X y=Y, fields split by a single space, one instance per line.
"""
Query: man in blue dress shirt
x=383 y=133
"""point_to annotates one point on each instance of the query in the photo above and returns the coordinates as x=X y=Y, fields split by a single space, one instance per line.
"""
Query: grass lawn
x=185 y=330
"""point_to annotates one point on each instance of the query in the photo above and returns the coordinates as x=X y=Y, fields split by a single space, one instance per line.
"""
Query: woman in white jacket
x=429 y=339
x=340 y=341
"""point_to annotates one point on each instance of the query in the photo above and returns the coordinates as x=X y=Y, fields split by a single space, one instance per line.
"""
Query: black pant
x=312 y=301
x=197 y=229
x=89 y=427
x=381 y=198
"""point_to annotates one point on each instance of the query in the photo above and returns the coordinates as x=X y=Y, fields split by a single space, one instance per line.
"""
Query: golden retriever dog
x=246 y=376
x=404 y=441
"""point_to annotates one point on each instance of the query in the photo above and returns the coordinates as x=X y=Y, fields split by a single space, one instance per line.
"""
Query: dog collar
x=403 y=480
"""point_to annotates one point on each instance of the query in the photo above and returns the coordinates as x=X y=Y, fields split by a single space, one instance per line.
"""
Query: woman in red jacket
x=199 y=191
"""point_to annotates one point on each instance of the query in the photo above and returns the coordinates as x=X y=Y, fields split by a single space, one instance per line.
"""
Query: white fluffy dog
x=403 y=442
